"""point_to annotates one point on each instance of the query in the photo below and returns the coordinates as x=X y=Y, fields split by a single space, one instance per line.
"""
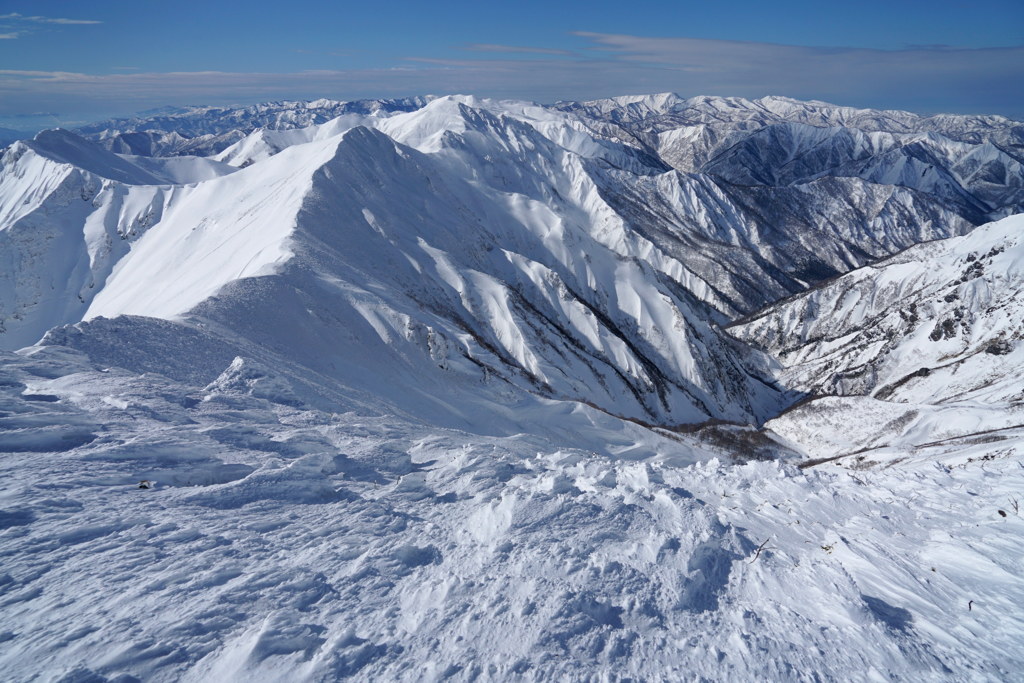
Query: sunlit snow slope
x=938 y=321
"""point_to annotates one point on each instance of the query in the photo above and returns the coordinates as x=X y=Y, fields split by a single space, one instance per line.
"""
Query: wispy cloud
x=10 y=36
x=14 y=16
x=514 y=49
x=926 y=79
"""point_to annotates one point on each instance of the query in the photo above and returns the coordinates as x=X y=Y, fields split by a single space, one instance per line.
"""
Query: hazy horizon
x=65 y=66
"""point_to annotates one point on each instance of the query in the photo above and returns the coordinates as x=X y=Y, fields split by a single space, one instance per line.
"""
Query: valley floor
x=281 y=543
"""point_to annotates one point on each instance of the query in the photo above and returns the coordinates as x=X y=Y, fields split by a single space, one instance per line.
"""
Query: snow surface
x=278 y=542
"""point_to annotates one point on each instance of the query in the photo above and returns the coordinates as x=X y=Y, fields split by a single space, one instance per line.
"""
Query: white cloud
x=514 y=49
x=14 y=16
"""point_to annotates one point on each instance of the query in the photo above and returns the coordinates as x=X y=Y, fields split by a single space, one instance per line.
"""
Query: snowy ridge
x=931 y=335
x=706 y=209
x=527 y=247
x=208 y=130
x=933 y=307
x=202 y=243
x=444 y=280
x=69 y=211
x=879 y=220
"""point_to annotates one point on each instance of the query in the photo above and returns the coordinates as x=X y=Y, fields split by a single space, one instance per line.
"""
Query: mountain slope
x=524 y=249
x=450 y=274
x=556 y=259
x=744 y=252
x=69 y=211
x=922 y=349
x=933 y=322
x=778 y=141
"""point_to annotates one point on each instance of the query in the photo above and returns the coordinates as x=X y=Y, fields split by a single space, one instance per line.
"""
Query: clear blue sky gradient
x=402 y=48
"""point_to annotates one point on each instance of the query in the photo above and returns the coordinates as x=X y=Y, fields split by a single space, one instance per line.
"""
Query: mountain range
x=665 y=355
x=546 y=248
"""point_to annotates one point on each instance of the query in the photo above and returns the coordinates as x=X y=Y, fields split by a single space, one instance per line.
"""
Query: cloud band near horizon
x=925 y=79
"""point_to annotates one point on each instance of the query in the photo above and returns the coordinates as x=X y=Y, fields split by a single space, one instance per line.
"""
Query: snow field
x=281 y=542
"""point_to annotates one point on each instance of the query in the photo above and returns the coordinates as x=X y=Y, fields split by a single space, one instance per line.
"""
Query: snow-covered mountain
x=939 y=321
x=528 y=248
x=521 y=276
x=174 y=131
x=655 y=114
x=457 y=389
x=923 y=347
x=973 y=161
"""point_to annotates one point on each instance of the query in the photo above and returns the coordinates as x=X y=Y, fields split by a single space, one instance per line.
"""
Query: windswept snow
x=277 y=542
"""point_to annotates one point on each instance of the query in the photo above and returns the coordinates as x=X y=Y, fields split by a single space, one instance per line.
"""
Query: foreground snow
x=283 y=543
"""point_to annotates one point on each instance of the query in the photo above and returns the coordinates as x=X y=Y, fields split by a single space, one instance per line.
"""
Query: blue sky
x=67 y=62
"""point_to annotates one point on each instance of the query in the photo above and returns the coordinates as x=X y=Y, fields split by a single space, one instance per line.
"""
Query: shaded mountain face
x=939 y=322
x=452 y=256
x=922 y=350
x=970 y=161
